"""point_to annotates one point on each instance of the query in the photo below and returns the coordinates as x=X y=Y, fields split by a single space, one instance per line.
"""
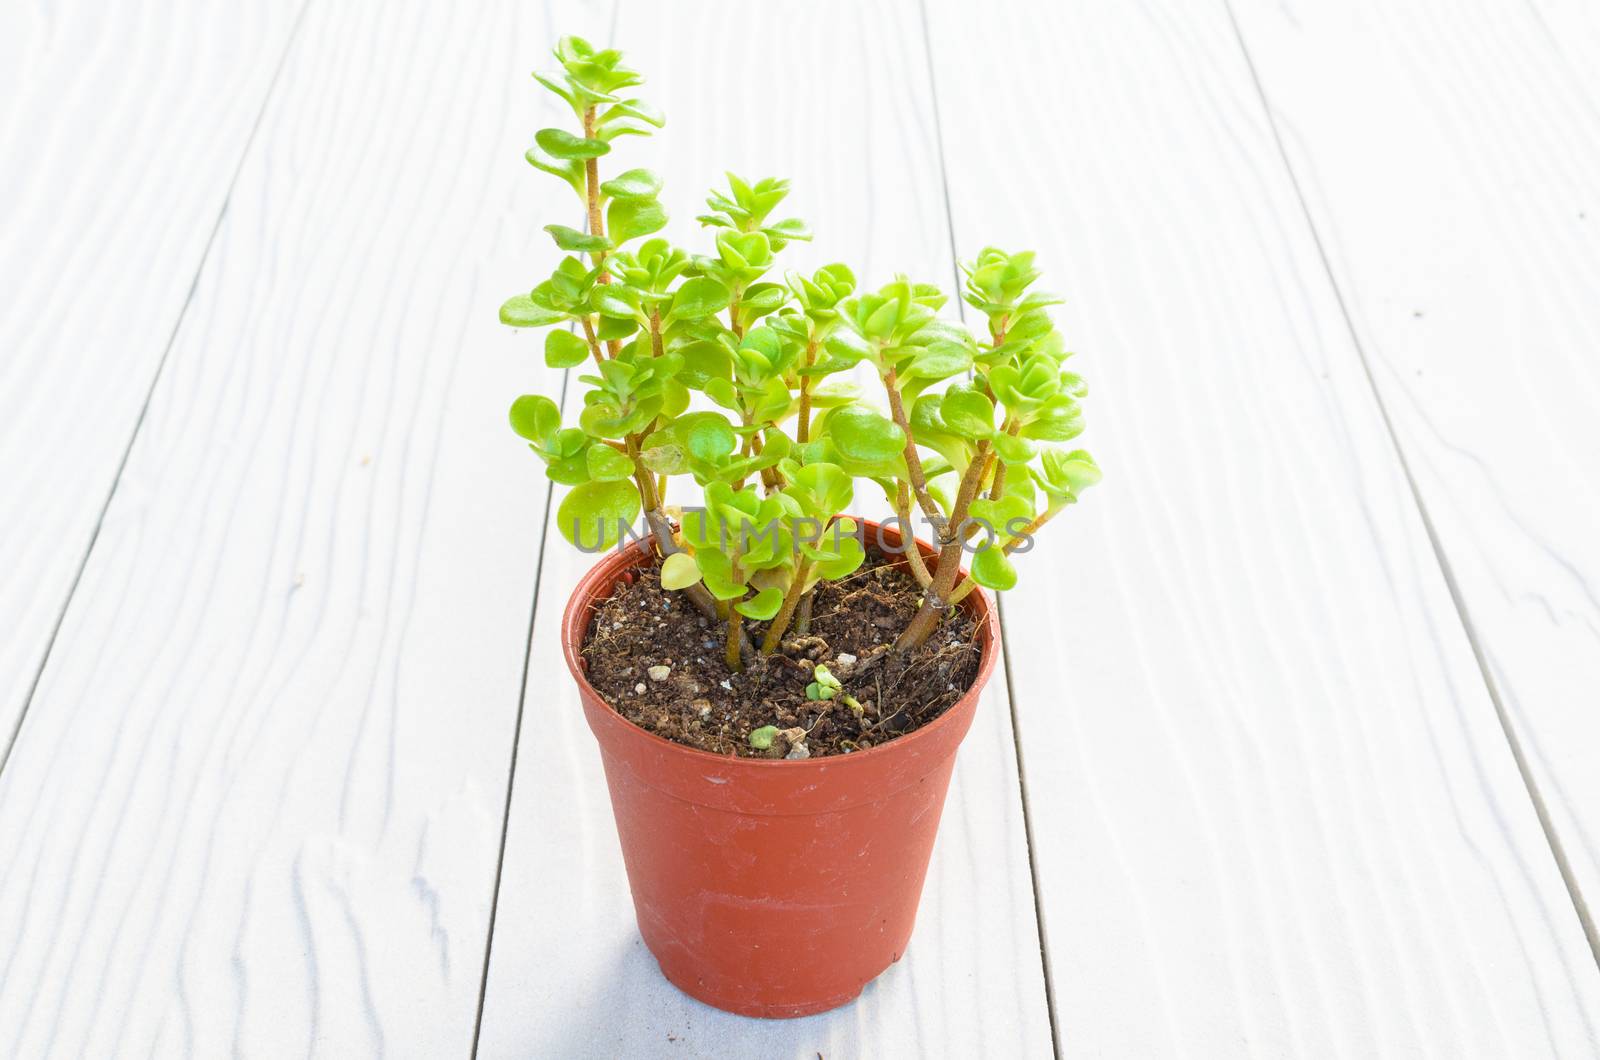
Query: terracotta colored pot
x=771 y=887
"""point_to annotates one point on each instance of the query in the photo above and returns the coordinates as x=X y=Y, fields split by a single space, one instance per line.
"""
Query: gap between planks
x=155 y=381
x=1552 y=839
x=527 y=661
x=1005 y=643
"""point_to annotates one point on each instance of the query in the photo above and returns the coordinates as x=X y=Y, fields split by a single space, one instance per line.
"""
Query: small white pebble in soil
x=727 y=684
x=844 y=658
x=799 y=751
x=639 y=688
x=701 y=707
x=659 y=673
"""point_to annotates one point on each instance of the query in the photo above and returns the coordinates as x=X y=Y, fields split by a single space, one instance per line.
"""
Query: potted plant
x=778 y=689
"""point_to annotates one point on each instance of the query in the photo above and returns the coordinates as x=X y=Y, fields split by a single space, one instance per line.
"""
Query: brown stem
x=948 y=566
x=919 y=480
x=735 y=637
x=791 y=600
x=1031 y=529
x=591 y=192
x=657 y=349
x=802 y=431
x=902 y=511
x=597 y=224
x=594 y=342
x=802 y=621
x=998 y=489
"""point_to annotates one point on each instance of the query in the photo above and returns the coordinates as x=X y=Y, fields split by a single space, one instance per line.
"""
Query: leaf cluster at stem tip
x=717 y=369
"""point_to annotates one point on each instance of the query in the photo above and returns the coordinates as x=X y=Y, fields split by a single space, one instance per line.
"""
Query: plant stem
x=735 y=637
x=657 y=348
x=908 y=541
x=791 y=600
x=597 y=224
x=919 y=480
x=999 y=487
x=802 y=621
x=594 y=342
x=802 y=431
x=936 y=599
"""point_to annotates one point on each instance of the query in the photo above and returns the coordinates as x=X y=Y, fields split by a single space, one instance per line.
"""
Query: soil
x=699 y=702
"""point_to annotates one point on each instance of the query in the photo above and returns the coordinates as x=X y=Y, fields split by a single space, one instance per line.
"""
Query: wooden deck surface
x=1295 y=748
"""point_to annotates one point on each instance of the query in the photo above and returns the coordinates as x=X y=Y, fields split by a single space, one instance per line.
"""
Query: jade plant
x=708 y=375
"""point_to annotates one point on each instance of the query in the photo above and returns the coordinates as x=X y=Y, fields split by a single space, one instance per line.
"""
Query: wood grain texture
x=1274 y=811
x=121 y=126
x=1469 y=262
x=257 y=803
x=844 y=89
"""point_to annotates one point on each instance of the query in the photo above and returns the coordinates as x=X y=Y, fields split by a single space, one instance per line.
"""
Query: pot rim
x=603 y=576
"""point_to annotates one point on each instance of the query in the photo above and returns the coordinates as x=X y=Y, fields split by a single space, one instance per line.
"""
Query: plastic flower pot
x=765 y=887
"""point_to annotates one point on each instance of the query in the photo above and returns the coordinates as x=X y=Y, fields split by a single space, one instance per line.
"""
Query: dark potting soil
x=659 y=663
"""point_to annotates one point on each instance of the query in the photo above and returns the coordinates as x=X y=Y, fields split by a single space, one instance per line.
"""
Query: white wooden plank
x=257 y=803
x=1453 y=185
x=120 y=128
x=1274 y=812
x=835 y=96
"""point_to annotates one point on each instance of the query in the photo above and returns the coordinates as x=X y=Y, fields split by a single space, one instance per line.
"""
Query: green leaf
x=704 y=361
x=558 y=89
x=664 y=456
x=863 y=436
x=1060 y=420
x=572 y=239
x=849 y=555
x=631 y=218
x=615 y=328
x=558 y=143
x=940 y=360
x=634 y=184
x=762 y=605
x=723 y=392
x=999 y=515
x=992 y=569
x=571 y=172
x=634 y=108
x=605 y=464
x=1014 y=450
x=520 y=311
x=678 y=571
x=563 y=349
x=1069 y=474
x=783 y=231
x=568 y=466
x=707 y=436
x=967 y=413
x=536 y=418
x=593 y=514
x=880 y=325
x=717 y=570
x=698 y=297
x=761 y=739
x=615 y=301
